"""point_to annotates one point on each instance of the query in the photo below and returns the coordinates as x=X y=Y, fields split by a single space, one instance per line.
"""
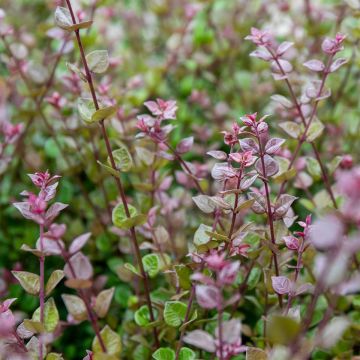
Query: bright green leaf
x=51 y=315
x=164 y=354
x=174 y=313
x=122 y=158
x=29 y=281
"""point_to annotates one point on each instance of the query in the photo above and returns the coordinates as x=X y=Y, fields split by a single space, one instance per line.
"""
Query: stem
x=20 y=341
x=117 y=180
x=91 y=315
x=269 y=211
x=307 y=125
x=220 y=330
x=42 y=288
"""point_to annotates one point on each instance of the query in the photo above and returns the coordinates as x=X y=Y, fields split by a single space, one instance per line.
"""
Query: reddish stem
x=42 y=288
x=117 y=180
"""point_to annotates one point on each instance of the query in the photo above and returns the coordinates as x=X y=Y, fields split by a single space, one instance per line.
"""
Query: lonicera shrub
x=179 y=180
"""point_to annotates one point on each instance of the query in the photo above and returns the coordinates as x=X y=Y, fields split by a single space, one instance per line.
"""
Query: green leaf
x=315 y=130
x=75 y=306
x=186 y=354
x=121 y=221
x=54 y=356
x=255 y=354
x=51 y=315
x=54 y=279
x=86 y=109
x=103 y=113
x=282 y=329
x=164 y=354
x=245 y=205
x=109 y=169
x=154 y=263
x=122 y=158
x=313 y=168
x=291 y=128
x=200 y=236
x=254 y=277
x=334 y=163
x=174 y=313
x=29 y=281
x=103 y=301
x=98 y=61
x=183 y=273
x=76 y=70
x=63 y=18
x=35 y=327
x=111 y=340
x=142 y=316
x=132 y=268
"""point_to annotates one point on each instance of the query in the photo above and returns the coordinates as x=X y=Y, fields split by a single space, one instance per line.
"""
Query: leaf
x=164 y=354
x=247 y=181
x=122 y=158
x=186 y=354
x=283 y=204
x=185 y=145
x=63 y=18
x=174 y=313
x=207 y=296
x=109 y=169
x=249 y=144
x=315 y=65
x=29 y=281
x=204 y=203
x=121 y=221
x=273 y=145
x=259 y=206
x=54 y=356
x=334 y=164
x=142 y=316
x=86 y=109
x=271 y=166
x=245 y=205
x=200 y=236
x=103 y=113
x=79 y=242
x=103 y=301
x=145 y=155
x=183 y=273
x=76 y=70
x=75 y=306
x=313 y=167
x=54 y=279
x=80 y=25
x=200 y=339
x=218 y=155
x=51 y=315
x=315 y=130
x=35 y=327
x=333 y=331
x=291 y=128
x=255 y=354
x=282 y=100
x=282 y=329
x=80 y=268
x=154 y=263
x=112 y=342
x=98 y=61
x=337 y=64
x=281 y=284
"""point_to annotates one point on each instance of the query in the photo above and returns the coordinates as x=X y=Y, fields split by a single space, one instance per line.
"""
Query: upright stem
x=307 y=125
x=42 y=288
x=220 y=329
x=92 y=317
x=117 y=180
x=269 y=210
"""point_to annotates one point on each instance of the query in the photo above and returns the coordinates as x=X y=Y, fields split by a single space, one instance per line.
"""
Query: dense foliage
x=179 y=179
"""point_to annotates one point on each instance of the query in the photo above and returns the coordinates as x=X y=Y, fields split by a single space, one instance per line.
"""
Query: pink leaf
x=271 y=166
x=185 y=145
x=291 y=242
x=207 y=296
x=338 y=63
x=54 y=211
x=262 y=54
x=249 y=144
x=227 y=274
x=81 y=267
x=218 y=155
x=283 y=47
x=273 y=145
x=79 y=242
x=282 y=66
x=281 y=284
x=326 y=232
x=283 y=204
x=200 y=339
x=314 y=65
